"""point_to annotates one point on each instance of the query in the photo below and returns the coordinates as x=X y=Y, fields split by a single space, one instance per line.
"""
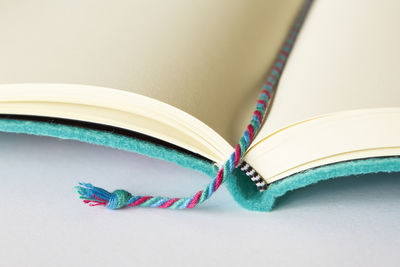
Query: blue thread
x=255 y=118
x=279 y=64
x=268 y=87
x=120 y=197
x=159 y=202
x=260 y=105
x=133 y=199
x=186 y=203
x=271 y=80
x=232 y=163
x=275 y=73
x=149 y=202
x=264 y=97
x=287 y=48
x=211 y=189
x=246 y=137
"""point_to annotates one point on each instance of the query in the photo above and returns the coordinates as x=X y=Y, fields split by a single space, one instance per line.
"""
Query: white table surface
x=348 y=222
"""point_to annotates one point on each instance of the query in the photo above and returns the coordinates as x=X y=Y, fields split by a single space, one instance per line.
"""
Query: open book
x=179 y=80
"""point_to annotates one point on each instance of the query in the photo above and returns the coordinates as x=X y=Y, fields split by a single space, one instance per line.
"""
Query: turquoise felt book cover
x=242 y=188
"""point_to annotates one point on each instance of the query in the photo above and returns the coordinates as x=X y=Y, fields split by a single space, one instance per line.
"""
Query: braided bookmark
x=95 y=196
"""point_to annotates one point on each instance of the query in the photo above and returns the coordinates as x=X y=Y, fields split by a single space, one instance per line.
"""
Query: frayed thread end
x=96 y=196
x=93 y=196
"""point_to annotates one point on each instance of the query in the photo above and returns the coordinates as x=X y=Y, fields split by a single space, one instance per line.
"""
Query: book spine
x=254 y=176
x=120 y=198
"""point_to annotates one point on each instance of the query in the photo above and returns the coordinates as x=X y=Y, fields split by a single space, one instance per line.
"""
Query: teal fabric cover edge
x=108 y=139
x=239 y=185
x=246 y=194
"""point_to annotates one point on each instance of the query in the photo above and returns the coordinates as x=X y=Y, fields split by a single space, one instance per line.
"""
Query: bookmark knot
x=95 y=196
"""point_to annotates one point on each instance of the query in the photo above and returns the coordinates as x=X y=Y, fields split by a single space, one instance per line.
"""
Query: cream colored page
x=207 y=58
x=347 y=57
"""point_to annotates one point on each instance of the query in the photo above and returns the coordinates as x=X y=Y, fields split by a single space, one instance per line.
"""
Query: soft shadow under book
x=263 y=96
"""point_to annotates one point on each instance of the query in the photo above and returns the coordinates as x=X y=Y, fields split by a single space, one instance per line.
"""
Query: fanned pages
x=339 y=97
x=206 y=58
x=194 y=82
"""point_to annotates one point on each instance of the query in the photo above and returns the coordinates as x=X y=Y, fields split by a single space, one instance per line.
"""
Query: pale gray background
x=347 y=222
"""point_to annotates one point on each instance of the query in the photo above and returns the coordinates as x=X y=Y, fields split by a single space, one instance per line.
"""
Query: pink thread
x=277 y=68
x=262 y=102
x=258 y=114
x=281 y=61
x=99 y=199
x=270 y=84
x=219 y=179
x=169 y=203
x=237 y=154
x=93 y=203
x=251 y=131
x=140 y=201
x=195 y=200
x=267 y=93
x=287 y=43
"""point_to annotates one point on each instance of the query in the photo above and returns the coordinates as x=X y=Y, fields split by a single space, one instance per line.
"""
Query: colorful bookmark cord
x=95 y=196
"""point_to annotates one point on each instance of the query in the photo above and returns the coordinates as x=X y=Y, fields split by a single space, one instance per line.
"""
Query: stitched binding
x=254 y=176
x=95 y=196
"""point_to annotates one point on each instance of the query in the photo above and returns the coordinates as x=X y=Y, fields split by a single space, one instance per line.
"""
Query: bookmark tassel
x=95 y=196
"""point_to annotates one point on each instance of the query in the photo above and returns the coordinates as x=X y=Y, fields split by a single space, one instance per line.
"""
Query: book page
x=207 y=58
x=338 y=98
x=346 y=58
